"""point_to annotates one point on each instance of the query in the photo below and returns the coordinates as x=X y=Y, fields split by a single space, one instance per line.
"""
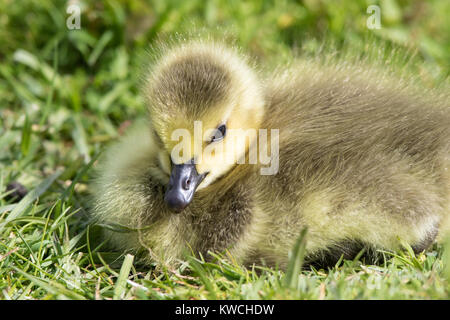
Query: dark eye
x=220 y=133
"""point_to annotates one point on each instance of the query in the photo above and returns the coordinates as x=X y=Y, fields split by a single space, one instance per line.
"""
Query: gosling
x=359 y=159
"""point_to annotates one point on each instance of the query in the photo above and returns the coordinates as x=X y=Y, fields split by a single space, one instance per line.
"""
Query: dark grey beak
x=183 y=182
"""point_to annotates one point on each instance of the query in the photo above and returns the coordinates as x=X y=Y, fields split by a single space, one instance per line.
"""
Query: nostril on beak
x=187 y=184
x=181 y=187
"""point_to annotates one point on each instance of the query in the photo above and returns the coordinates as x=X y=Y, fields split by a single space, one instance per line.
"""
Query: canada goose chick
x=361 y=164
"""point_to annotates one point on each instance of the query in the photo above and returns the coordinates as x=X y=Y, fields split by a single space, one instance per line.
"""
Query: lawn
x=65 y=94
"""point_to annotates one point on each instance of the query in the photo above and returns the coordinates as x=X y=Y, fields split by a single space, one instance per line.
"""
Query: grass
x=64 y=94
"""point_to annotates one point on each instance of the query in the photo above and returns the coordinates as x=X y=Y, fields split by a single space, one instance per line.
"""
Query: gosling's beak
x=182 y=185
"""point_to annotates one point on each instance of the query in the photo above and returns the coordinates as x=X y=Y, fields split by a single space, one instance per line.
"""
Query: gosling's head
x=202 y=98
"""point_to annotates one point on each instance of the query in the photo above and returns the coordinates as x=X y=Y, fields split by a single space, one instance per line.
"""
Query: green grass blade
x=119 y=289
x=26 y=137
x=296 y=261
x=20 y=208
x=101 y=44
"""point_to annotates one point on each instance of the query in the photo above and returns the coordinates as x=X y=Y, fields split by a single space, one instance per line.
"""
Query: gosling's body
x=363 y=162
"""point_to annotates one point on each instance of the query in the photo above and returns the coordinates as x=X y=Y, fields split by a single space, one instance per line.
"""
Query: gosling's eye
x=220 y=133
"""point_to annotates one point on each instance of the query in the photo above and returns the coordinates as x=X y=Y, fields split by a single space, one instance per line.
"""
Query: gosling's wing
x=129 y=178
